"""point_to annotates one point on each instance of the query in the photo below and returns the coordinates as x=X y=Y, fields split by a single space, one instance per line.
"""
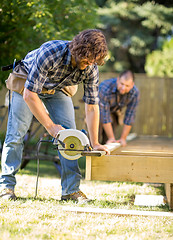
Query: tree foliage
x=160 y=62
x=133 y=28
x=25 y=24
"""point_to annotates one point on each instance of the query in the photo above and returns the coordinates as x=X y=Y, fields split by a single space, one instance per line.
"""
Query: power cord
x=55 y=142
x=38 y=161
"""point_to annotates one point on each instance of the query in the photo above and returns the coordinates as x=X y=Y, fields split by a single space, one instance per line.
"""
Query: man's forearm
x=92 y=119
x=126 y=131
x=109 y=131
x=37 y=108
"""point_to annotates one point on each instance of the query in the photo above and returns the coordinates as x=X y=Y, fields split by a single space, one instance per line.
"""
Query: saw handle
x=56 y=140
x=84 y=131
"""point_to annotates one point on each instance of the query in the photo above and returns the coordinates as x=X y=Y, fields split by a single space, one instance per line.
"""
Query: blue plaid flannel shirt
x=50 y=67
x=108 y=94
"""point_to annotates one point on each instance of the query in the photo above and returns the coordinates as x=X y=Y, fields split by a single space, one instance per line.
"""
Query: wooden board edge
x=119 y=212
x=169 y=194
x=88 y=168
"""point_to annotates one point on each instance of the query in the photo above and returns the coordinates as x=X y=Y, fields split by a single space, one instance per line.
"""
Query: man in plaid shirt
x=115 y=94
x=53 y=66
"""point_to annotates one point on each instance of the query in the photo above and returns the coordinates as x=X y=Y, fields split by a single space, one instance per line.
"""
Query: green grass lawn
x=44 y=217
x=47 y=168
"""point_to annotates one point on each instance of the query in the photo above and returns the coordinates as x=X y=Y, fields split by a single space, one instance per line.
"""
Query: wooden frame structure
x=144 y=159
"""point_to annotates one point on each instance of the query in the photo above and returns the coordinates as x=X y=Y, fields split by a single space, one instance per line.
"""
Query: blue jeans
x=61 y=111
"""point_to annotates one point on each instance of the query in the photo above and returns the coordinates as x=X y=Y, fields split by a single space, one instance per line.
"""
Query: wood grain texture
x=145 y=159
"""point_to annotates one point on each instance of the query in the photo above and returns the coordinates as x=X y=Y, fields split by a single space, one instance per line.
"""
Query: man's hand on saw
x=54 y=129
x=99 y=147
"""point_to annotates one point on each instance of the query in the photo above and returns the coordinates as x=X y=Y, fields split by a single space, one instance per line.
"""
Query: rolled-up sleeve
x=91 y=83
x=130 y=114
x=38 y=71
x=104 y=105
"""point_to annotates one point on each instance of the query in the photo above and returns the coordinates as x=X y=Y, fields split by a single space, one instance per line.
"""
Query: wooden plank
x=119 y=212
x=146 y=153
x=88 y=168
x=89 y=157
x=114 y=146
x=149 y=200
x=132 y=168
x=93 y=153
x=145 y=159
x=169 y=194
x=110 y=146
x=147 y=145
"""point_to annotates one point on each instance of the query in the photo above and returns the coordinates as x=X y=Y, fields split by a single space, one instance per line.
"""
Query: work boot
x=8 y=194
x=79 y=197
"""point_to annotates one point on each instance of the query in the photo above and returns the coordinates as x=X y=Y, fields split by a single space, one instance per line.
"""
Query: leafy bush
x=25 y=25
x=160 y=62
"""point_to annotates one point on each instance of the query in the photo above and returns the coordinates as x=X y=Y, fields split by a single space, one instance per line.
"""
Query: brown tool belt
x=16 y=81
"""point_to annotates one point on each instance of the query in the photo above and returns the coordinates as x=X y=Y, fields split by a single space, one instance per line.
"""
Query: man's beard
x=77 y=62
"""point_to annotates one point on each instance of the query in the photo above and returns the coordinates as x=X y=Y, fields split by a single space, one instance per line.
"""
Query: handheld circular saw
x=72 y=143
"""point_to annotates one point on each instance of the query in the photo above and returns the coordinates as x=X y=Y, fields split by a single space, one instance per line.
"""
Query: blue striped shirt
x=108 y=95
x=50 y=67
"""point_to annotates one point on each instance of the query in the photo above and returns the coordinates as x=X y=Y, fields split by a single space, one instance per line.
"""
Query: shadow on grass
x=48 y=168
x=103 y=204
x=39 y=199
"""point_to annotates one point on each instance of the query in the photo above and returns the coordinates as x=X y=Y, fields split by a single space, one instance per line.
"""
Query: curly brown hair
x=89 y=44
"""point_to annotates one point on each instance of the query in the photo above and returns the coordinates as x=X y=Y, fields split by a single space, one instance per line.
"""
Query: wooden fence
x=155 y=111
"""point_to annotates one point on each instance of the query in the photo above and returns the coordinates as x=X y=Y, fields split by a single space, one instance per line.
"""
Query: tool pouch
x=16 y=79
x=70 y=90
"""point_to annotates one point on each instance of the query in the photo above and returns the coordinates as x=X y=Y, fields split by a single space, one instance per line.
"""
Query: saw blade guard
x=74 y=140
